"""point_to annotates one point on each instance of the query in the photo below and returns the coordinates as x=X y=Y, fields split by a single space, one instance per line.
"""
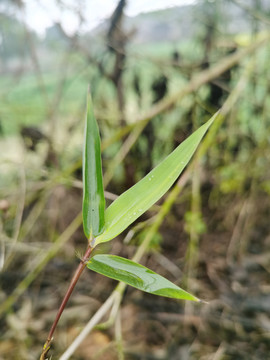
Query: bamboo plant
x=102 y=225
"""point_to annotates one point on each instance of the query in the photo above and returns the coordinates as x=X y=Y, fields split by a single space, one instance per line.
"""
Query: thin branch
x=69 y=291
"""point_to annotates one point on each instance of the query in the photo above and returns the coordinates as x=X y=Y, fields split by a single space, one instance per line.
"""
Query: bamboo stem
x=70 y=289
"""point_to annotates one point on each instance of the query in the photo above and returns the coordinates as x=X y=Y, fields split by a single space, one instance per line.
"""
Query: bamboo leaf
x=139 y=198
x=136 y=275
x=93 y=193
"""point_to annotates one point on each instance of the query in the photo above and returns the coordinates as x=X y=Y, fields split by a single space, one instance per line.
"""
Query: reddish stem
x=73 y=282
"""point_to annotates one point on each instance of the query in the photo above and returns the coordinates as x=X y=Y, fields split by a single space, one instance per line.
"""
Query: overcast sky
x=40 y=14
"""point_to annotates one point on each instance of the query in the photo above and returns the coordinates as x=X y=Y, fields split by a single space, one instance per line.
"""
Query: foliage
x=136 y=275
x=128 y=207
x=226 y=193
x=93 y=194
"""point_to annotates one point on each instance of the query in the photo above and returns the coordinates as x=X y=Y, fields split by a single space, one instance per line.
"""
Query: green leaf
x=136 y=275
x=139 y=198
x=93 y=193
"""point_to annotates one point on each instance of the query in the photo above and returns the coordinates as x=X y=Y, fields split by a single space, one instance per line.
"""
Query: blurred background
x=157 y=71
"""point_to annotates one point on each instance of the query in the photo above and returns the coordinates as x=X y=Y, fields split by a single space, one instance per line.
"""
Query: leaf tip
x=202 y=301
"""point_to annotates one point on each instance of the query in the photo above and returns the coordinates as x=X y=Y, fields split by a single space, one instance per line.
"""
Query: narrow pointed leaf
x=136 y=275
x=139 y=198
x=93 y=193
